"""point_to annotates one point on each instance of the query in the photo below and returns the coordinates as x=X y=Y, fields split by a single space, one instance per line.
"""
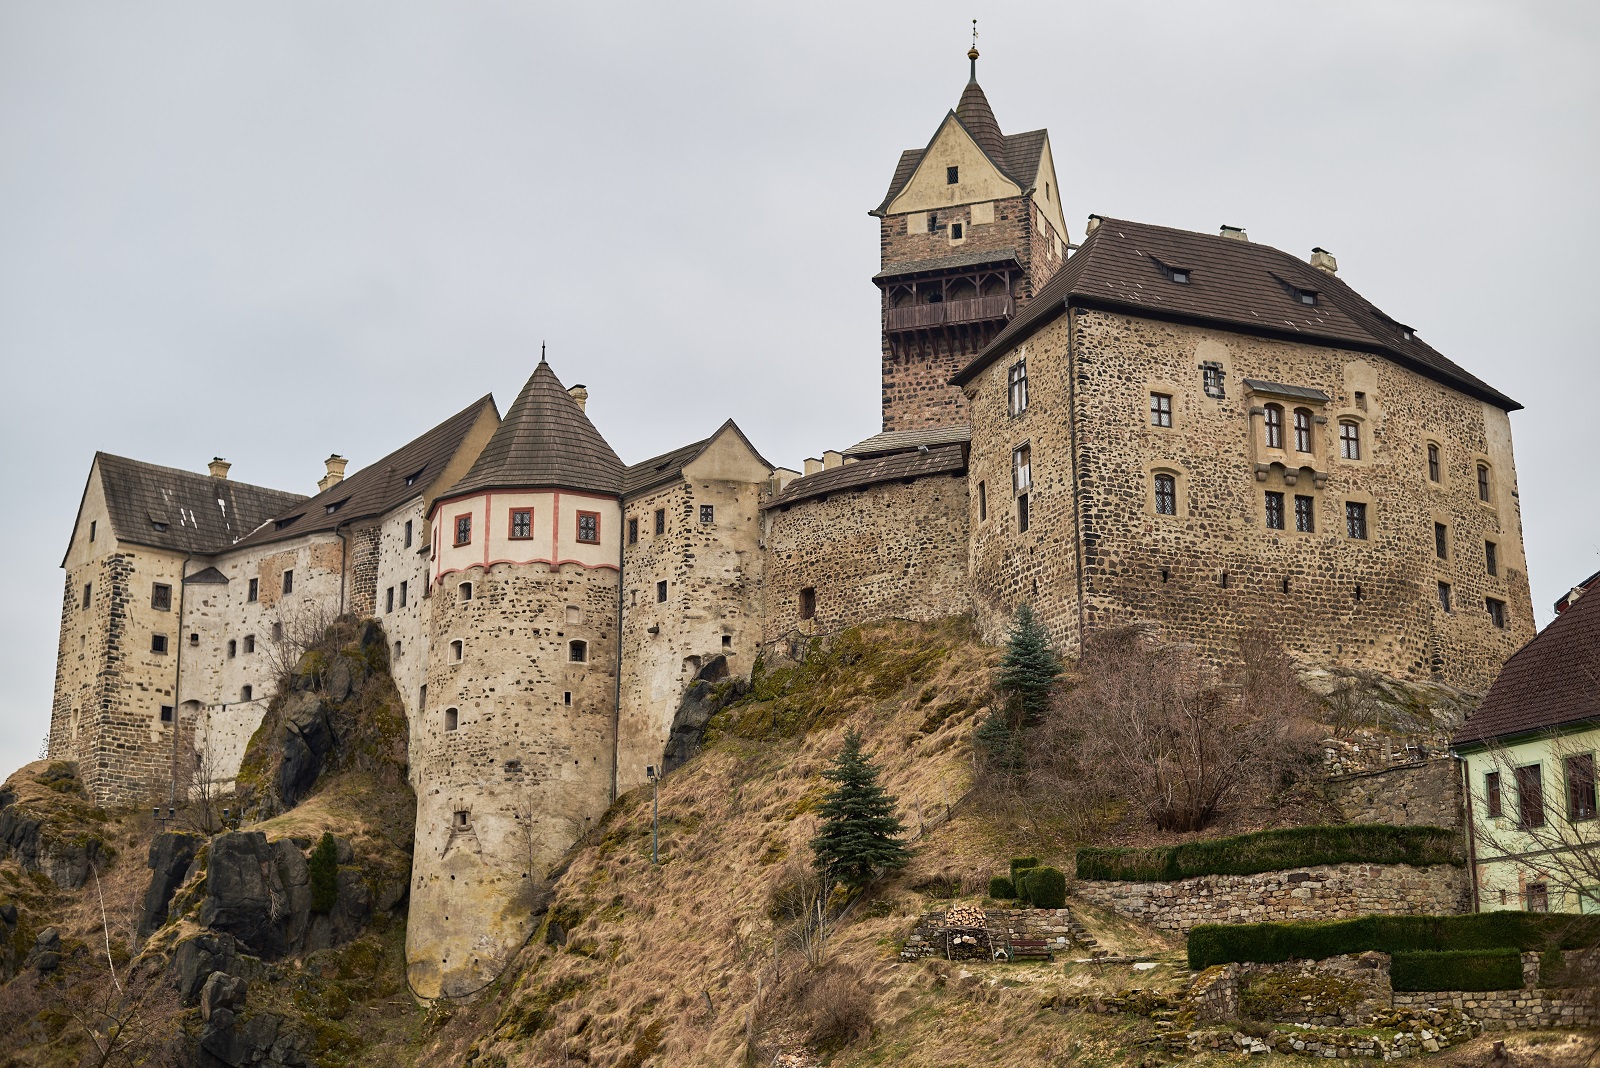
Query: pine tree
x=1029 y=669
x=859 y=830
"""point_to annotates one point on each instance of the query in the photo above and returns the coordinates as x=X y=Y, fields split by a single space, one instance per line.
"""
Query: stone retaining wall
x=1330 y=892
x=933 y=936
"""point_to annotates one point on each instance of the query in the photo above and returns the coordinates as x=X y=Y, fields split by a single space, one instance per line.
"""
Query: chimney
x=831 y=459
x=813 y=465
x=1094 y=224
x=335 y=473
x=580 y=393
x=218 y=467
x=1323 y=261
x=1235 y=233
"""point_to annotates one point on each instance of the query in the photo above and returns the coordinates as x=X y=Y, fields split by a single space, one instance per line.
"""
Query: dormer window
x=1306 y=296
x=411 y=479
x=1179 y=275
x=335 y=506
x=952 y=175
x=284 y=524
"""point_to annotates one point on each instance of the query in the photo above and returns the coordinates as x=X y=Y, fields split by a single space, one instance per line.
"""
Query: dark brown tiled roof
x=906 y=440
x=168 y=508
x=545 y=441
x=379 y=487
x=1123 y=266
x=668 y=467
x=975 y=114
x=948 y=263
x=1552 y=681
x=944 y=460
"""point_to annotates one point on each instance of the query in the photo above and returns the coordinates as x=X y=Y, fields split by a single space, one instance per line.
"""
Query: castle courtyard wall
x=1214 y=570
x=892 y=549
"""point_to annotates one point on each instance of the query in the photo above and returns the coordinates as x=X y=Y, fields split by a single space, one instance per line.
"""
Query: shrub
x=1267 y=943
x=324 y=873
x=1457 y=969
x=1001 y=888
x=1047 y=888
x=1021 y=863
x=1293 y=847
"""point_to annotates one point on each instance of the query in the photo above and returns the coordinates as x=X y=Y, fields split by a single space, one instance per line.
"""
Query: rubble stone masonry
x=892 y=549
x=1215 y=569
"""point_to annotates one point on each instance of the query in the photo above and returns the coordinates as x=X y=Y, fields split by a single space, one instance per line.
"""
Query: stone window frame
x=577 y=651
x=633 y=530
x=388 y=600
x=1180 y=487
x=708 y=515
x=511 y=524
x=160 y=597
x=1496 y=609
x=661 y=520
x=1360 y=439
x=408 y=535
x=252 y=591
x=1484 y=484
x=594 y=524
x=288 y=580
x=1282 y=516
x=457 y=651
x=249 y=643
x=1167 y=410
x=88 y=595
x=1017 y=387
x=1447 y=598
x=1367 y=516
x=1441 y=539
x=1272 y=426
x=1304 y=429
x=1491 y=557
x=159 y=644
x=93 y=526
x=452 y=720
x=464 y=592
x=1434 y=465
x=661 y=591
x=462 y=530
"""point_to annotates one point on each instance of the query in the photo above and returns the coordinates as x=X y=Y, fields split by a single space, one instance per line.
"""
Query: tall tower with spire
x=970 y=228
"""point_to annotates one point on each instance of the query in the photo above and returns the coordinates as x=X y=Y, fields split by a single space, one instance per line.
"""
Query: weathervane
x=972 y=53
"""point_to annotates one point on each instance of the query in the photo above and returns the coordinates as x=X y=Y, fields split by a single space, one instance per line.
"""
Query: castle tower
x=970 y=229
x=513 y=758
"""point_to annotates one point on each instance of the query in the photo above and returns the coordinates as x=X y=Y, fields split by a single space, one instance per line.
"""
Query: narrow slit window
x=1491 y=558
x=1024 y=519
x=1441 y=541
x=388 y=599
x=808 y=603
x=1433 y=463
x=661 y=520
x=633 y=531
x=1491 y=794
x=288 y=581
x=661 y=592
x=1483 y=482
x=254 y=591
x=403 y=587
x=983 y=513
x=1017 y=388
x=88 y=593
x=408 y=534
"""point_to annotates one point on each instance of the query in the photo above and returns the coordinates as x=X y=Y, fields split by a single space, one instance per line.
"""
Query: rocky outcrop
x=197 y=959
x=10 y=958
x=171 y=855
x=64 y=859
x=710 y=692
x=259 y=892
x=230 y=1040
x=45 y=957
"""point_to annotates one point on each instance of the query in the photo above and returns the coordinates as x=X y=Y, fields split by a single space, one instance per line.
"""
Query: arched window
x=465 y=591
x=1483 y=482
x=1166 y=494
x=578 y=651
x=1302 y=430
x=452 y=719
x=1349 y=439
x=1274 y=426
x=1433 y=462
x=456 y=649
x=233 y=648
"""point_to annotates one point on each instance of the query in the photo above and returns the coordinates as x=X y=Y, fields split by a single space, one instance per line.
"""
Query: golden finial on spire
x=972 y=53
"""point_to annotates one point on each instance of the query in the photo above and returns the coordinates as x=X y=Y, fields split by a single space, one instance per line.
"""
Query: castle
x=1152 y=425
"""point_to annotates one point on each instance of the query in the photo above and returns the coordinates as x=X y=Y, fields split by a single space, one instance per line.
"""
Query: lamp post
x=654 y=775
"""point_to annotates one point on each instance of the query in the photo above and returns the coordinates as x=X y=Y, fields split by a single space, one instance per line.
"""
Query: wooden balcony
x=948 y=313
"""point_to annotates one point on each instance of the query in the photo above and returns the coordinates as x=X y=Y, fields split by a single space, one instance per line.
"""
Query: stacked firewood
x=965 y=916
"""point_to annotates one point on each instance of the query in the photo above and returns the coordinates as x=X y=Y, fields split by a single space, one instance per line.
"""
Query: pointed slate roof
x=1552 y=682
x=977 y=116
x=378 y=487
x=1124 y=266
x=169 y=508
x=545 y=441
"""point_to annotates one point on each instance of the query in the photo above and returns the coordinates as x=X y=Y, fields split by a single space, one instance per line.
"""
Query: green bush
x=1047 y=888
x=1001 y=888
x=1270 y=942
x=1457 y=969
x=1294 y=847
x=324 y=872
x=1022 y=864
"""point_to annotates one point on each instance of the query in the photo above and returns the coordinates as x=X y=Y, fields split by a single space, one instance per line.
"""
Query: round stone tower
x=513 y=757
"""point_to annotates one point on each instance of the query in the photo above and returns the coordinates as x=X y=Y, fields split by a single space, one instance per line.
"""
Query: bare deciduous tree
x=297 y=630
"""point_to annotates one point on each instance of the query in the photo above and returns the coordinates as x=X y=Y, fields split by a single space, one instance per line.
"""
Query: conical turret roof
x=974 y=113
x=545 y=441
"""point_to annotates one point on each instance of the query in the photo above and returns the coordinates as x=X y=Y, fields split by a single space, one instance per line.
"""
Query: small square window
x=578 y=652
x=158 y=643
x=194 y=639
x=633 y=531
x=521 y=524
x=952 y=175
x=808 y=603
x=661 y=520
x=166 y=713
x=247 y=692
x=288 y=581
x=464 y=529
x=161 y=597
x=254 y=591
x=589 y=528
x=708 y=514
x=1497 y=611
x=1161 y=409
x=955 y=231
x=661 y=592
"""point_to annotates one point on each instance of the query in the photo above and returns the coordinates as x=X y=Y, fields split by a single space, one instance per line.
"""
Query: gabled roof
x=379 y=487
x=908 y=440
x=1018 y=160
x=209 y=576
x=943 y=460
x=184 y=511
x=1124 y=266
x=1553 y=681
x=668 y=467
x=545 y=441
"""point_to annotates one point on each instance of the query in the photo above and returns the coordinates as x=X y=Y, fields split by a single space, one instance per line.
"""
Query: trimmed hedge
x=1293 y=847
x=1022 y=863
x=1457 y=969
x=1043 y=888
x=1267 y=943
x=1001 y=888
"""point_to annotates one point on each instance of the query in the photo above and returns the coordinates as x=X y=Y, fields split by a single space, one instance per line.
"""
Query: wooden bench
x=1032 y=949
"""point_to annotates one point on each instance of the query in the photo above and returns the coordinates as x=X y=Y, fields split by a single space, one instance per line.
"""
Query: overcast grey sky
x=274 y=231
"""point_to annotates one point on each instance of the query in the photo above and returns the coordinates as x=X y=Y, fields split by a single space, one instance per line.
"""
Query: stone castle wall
x=1423 y=794
x=1214 y=570
x=525 y=770
x=1331 y=892
x=893 y=549
x=713 y=576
